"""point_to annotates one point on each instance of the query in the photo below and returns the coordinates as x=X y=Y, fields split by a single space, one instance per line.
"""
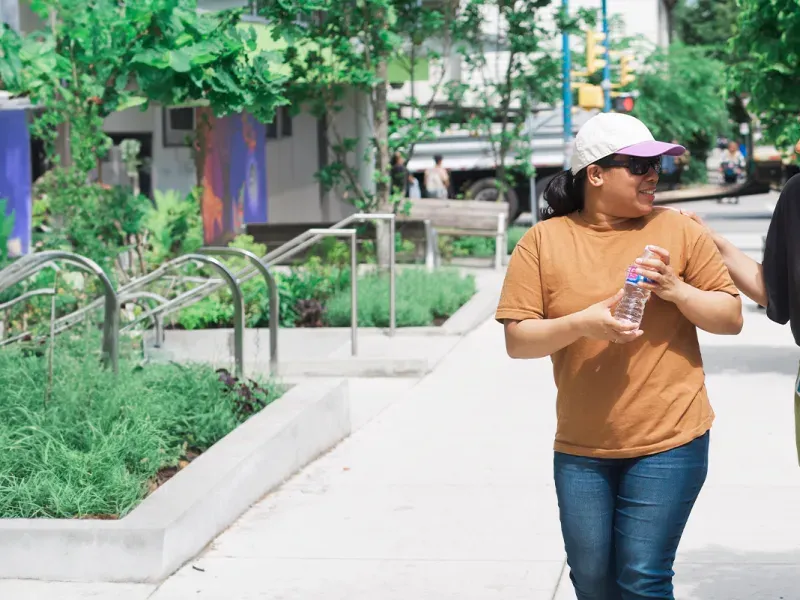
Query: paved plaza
x=447 y=493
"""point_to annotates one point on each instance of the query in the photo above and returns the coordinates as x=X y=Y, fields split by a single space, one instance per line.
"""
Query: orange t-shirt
x=618 y=400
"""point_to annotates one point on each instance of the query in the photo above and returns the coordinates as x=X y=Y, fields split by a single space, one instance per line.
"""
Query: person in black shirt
x=399 y=175
x=775 y=282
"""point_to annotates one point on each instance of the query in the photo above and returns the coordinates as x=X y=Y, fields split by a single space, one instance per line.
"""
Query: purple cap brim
x=648 y=149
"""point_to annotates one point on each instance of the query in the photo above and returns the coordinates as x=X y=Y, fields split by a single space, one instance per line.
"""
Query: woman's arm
x=747 y=274
x=713 y=311
x=537 y=338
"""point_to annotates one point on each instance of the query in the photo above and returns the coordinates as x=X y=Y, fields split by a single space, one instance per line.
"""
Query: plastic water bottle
x=631 y=307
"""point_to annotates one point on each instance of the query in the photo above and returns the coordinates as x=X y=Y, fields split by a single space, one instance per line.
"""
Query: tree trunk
x=501 y=178
x=380 y=112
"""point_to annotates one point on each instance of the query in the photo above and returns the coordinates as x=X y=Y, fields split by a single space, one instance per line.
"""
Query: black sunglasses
x=635 y=164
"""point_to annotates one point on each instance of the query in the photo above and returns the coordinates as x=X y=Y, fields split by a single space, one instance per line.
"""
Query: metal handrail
x=236 y=292
x=351 y=233
x=28 y=295
x=211 y=285
x=289 y=249
x=135 y=297
x=272 y=288
x=30 y=264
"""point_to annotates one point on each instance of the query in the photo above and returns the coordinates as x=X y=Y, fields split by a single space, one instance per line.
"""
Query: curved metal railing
x=28 y=265
x=31 y=264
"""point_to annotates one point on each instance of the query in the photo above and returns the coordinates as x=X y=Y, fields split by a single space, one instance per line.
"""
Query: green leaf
x=153 y=58
x=180 y=60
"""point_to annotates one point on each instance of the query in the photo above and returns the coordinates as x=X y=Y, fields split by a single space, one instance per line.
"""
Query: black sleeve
x=776 y=268
x=782 y=259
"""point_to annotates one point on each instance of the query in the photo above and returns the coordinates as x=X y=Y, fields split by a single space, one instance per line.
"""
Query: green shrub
x=422 y=297
x=514 y=236
x=478 y=247
x=95 y=447
x=175 y=224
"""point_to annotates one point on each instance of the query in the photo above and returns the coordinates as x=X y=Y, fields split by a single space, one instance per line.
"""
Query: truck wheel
x=541 y=184
x=485 y=190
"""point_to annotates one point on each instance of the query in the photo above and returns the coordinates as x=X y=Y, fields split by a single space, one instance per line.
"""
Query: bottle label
x=634 y=277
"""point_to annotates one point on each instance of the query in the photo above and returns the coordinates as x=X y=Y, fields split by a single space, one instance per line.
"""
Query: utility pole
x=606 y=85
x=567 y=88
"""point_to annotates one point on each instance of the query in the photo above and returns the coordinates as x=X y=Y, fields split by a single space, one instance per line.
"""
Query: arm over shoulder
x=705 y=269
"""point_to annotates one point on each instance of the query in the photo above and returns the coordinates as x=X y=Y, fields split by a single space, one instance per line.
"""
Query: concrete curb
x=177 y=521
x=356 y=367
x=477 y=309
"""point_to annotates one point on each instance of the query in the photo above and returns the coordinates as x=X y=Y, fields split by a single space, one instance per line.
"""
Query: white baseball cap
x=616 y=133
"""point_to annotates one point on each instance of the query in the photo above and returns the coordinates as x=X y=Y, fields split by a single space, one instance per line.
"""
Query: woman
x=631 y=446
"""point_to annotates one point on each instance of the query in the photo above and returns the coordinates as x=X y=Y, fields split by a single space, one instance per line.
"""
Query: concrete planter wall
x=175 y=522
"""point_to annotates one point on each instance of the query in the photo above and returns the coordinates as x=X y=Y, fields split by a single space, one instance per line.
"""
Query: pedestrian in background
x=732 y=167
x=400 y=175
x=437 y=179
x=633 y=415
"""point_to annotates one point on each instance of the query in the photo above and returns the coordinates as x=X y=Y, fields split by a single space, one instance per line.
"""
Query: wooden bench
x=427 y=219
x=459 y=217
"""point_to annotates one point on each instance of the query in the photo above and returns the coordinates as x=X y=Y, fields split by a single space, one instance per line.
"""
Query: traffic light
x=624 y=103
x=594 y=51
x=626 y=75
x=590 y=96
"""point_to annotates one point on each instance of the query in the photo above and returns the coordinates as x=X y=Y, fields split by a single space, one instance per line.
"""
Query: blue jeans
x=622 y=519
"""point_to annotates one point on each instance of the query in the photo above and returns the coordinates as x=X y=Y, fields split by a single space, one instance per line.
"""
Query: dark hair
x=564 y=194
x=437 y=158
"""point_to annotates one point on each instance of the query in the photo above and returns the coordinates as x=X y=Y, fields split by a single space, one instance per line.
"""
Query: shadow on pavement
x=750 y=359
x=717 y=573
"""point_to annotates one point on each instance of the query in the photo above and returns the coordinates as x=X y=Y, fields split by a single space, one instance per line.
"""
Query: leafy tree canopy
x=767 y=66
x=707 y=23
x=97 y=57
x=682 y=96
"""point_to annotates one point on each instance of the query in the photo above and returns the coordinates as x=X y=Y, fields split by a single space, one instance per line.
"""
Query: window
x=179 y=124
x=281 y=125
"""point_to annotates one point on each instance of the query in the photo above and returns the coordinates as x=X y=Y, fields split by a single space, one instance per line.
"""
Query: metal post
x=158 y=319
x=607 y=68
x=351 y=233
x=392 y=273
x=500 y=241
x=272 y=288
x=534 y=201
x=354 y=294
x=430 y=250
x=238 y=305
x=567 y=89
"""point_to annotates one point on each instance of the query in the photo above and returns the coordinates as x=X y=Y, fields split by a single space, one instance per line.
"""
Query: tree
x=707 y=23
x=682 y=96
x=426 y=39
x=764 y=47
x=338 y=53
x=510 y=69
x=102 y=56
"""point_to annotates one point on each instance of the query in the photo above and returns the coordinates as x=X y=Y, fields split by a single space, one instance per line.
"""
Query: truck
x=472 y=164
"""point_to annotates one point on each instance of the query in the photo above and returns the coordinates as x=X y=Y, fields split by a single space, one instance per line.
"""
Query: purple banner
x=234 y=175
x=15 y=177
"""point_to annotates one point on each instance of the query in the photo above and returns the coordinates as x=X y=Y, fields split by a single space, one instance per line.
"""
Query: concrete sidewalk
x=448 y=494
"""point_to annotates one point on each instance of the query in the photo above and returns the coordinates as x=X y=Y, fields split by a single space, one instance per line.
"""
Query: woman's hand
x=663 y=280
x=598 y=323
